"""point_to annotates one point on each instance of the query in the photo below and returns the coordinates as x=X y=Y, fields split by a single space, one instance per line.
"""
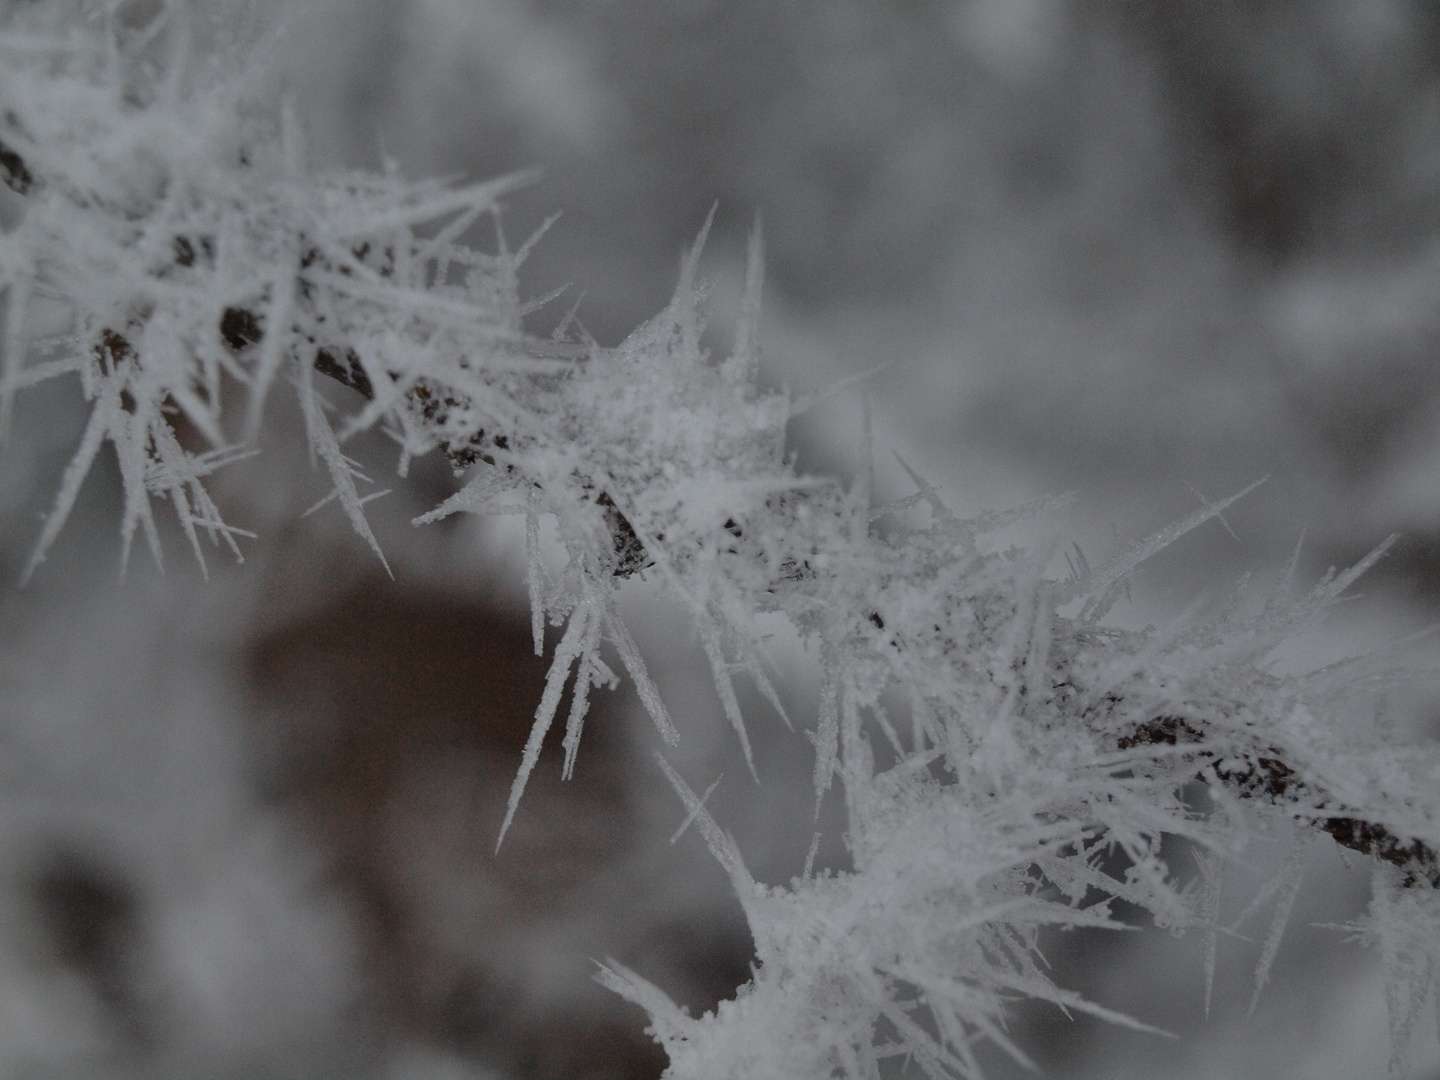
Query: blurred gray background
x=1146 y=251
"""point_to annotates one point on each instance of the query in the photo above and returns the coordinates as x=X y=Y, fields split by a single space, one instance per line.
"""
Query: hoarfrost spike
x=566 y=653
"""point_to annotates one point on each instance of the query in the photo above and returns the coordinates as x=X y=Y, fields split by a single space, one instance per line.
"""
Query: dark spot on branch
x=790 y=570
x=436 y=405
x=112 y=349
x=1163 y=730
x=345 y=369
x=1416 y=858
x=240 y=328
x=14 y=171
x=630 y=554
x=1266 y=775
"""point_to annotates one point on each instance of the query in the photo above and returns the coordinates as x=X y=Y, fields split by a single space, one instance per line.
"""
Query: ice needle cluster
x=1008 y=761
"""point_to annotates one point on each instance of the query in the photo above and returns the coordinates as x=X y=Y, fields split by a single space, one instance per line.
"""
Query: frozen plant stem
x=177 y=223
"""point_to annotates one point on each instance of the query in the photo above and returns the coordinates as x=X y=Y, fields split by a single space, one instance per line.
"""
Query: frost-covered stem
x=194 y=250
x=1265 y=775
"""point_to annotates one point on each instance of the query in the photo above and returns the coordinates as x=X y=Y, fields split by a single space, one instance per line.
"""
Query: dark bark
x=1266 y=775
x=13 y=170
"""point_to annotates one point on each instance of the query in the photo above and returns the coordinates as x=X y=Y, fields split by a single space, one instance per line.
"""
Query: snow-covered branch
x=195 y=254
